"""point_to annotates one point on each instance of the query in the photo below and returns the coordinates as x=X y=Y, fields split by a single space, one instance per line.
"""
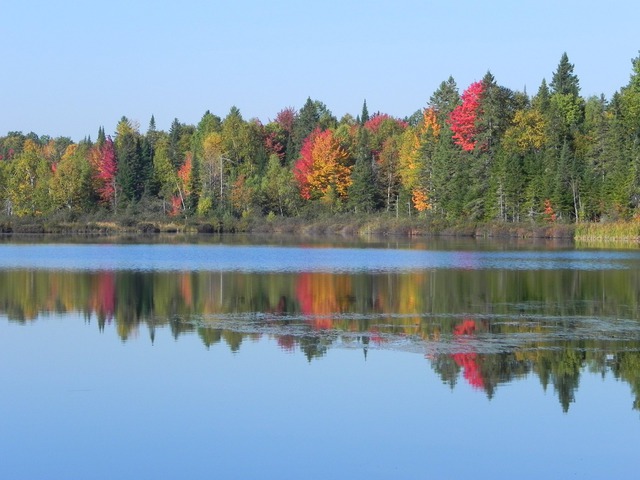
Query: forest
x=483 y=154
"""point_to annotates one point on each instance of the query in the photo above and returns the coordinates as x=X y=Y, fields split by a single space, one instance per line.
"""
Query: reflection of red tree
x=287 y=342
x=467 y=327
x=470 y=369
x=376 y=337
x=468 y=361
x=104 y=299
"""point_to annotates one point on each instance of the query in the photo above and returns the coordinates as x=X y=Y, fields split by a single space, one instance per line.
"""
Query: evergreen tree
x=445 y=99
x=305 y=122
x=362 y=191
x=364 y=116
x=101 y=137
x=152 y=133
x=134 y=166
x=175 y=151
x=564 y=81
x=541 y=101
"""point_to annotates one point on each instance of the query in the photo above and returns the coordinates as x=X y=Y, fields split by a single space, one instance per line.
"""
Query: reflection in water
x=487 y=327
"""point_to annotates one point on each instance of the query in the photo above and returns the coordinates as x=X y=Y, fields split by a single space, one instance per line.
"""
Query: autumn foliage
x=468 y=361
x=105 y=167
x=322 y=166
x=463 y=117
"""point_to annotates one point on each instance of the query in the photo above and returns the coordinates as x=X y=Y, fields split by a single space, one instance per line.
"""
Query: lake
x=229 y=357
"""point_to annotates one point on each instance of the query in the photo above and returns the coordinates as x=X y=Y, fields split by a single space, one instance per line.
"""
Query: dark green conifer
x=564 y=81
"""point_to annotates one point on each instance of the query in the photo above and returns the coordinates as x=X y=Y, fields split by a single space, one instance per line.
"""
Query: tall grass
x=627 y=232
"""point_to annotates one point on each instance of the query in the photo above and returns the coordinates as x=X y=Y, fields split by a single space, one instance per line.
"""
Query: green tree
x=175 y=149
x=364 y=116
x=564 y=81
x=279 y=193
x=134 y=168
x=166 y=176
x=305 y=122
x=363 y=194
x=71 y=186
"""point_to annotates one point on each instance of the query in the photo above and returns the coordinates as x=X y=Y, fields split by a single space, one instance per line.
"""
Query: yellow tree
x=416 y=149
x=70 y=185
x=211 y=170
x=527 y=131
x=322 y=168
x=28 y=185
x=166 y=176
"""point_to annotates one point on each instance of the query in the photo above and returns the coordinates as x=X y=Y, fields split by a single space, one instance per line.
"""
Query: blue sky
x=72 y=66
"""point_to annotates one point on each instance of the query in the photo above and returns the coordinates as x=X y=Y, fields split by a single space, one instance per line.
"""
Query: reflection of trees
x=311 y=312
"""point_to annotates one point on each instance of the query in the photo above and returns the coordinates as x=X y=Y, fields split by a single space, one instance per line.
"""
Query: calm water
x=318 y=360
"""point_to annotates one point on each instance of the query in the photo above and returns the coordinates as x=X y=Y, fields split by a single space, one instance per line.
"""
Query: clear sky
x=69 y=67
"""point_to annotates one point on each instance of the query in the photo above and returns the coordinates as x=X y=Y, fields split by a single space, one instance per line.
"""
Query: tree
x=175 y=149
x=286 y=119
x=444 y=100
x=105 y=169
x=181 y=201
x=70 y=185
x=166 y=176
x=363 y=191
x=364 y=116
x=306 y=121
x=101 y=137
x=28 y=182
x=211 y=172
x=152 y=133
x=564 y=81
x=278 y=190
x=463 y=117
x=322 y=167
x=134 y=156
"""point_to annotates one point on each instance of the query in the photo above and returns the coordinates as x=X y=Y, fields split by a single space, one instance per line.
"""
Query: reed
x=608 y=232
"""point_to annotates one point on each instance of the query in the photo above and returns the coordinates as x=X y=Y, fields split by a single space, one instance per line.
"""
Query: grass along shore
x=346 y=225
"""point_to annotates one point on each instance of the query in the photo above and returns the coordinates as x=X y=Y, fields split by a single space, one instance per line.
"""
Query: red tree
x=106 y=168
x=285 y=118
x=463 y=118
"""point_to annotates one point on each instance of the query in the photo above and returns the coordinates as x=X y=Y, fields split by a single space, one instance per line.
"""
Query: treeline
x=486 y=154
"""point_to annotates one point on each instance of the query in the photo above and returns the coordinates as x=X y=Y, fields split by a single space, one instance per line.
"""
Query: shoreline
x=344 y=226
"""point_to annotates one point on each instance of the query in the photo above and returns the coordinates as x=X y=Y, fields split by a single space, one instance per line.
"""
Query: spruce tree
x=362 y=191
x=364 y=116
x=445 y=99
x=174 y=150
x=152 y=133
x=101 y=137
x=305 y=122
x=564 y=81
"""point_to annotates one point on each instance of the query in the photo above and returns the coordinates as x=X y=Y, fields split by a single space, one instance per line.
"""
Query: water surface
x=303 y=361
